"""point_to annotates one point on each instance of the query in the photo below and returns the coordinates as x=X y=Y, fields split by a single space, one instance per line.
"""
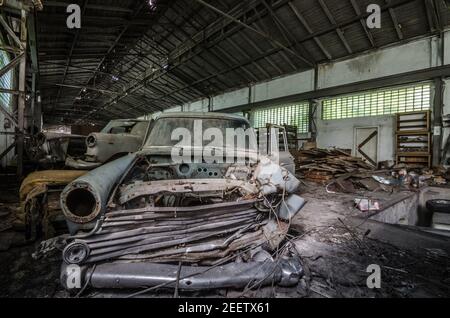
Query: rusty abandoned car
x=140 y=220
x=118 y=138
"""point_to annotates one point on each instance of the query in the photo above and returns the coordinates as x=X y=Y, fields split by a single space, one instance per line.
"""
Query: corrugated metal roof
x=132 y=59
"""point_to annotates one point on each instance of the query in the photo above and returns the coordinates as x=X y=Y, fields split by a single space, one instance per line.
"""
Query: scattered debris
x=385 y=181
x=367 y=205
x=344 y=173
x=46 y=247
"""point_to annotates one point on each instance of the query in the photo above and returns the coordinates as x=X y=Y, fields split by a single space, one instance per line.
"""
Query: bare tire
x=439 y=205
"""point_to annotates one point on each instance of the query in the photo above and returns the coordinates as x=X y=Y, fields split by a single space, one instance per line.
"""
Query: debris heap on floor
x=341 y=172
x=323 y=165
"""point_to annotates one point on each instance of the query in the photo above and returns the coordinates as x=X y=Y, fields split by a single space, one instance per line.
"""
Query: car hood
x=167 y=150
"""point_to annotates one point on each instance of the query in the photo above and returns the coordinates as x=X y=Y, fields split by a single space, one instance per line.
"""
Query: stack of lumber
x=321 y=165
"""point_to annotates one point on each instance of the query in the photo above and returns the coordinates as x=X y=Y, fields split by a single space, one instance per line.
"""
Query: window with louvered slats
x=294 y=115
x=5 y=80
x=378 y=102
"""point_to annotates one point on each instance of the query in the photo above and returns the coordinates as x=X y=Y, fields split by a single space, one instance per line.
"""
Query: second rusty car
x=118 y=138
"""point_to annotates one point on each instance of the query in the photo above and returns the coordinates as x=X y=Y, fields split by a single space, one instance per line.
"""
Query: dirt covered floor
x=337 y=243
x=334 y=240
x=20 y=274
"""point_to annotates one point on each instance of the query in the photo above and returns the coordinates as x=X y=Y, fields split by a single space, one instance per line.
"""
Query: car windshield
x=166 y=131
x=139 y=129
x=119 y=127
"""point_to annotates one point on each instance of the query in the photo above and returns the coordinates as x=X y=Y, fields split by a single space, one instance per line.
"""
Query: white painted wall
x=341 y=133
x=279 y=87
x=284 y=86
x=174 y=109
x=231 y=99
x=412 y=56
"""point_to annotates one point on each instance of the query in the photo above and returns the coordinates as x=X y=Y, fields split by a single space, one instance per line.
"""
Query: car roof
x=131 y=119
x=210 y=115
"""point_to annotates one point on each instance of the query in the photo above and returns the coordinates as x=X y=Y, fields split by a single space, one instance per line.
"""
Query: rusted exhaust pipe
x=285 y=272
x=85 y=198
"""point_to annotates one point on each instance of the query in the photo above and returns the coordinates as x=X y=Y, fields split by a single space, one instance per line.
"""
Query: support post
x=437 y=120
x=33 y=103
x=312 y=119
x=21 y=98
